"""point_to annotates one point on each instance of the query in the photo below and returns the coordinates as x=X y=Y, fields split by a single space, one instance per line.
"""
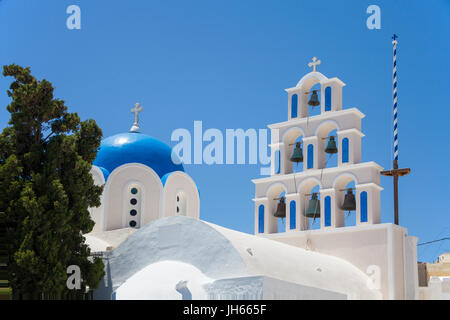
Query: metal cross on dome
x=314 y=63
x=136 y=110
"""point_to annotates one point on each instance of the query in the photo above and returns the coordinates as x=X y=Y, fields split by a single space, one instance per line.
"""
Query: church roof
x=135 y=147
x=223 y=253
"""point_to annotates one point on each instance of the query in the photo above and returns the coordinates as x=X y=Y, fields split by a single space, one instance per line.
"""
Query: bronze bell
x=281 y=209
x=331 y=146
x=297 y=155
x=314 y=99
x=313 y=210
x=349 y=201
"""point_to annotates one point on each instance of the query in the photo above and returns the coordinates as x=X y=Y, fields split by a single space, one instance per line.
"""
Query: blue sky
x=227 y=64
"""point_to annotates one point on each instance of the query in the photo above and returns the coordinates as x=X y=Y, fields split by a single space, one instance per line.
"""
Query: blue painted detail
x=136 y=147
x=327 y=211
x=166 y=176
x=310 y=156
x=345 y=150
x=292 y=222
x=328 y=99
x=363 y=200
x=261 y=218
x=277 y=161
x=294 y=104
x=105 y=173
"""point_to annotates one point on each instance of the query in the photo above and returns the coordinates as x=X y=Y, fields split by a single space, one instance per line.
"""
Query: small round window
x=132 y=223
x=133 y=212
x=134 y=190
x=133 y=201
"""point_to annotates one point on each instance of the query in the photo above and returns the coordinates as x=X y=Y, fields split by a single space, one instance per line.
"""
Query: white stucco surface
x=159 y=280
x=266 y=288
x=100 y=241
x=296 y=265
x=200 y=250
x=96 y=244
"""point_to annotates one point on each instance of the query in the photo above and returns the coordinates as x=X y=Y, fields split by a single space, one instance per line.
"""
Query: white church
x=155 y=246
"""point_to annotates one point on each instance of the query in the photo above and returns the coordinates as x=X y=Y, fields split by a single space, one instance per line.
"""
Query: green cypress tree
x=46 y=188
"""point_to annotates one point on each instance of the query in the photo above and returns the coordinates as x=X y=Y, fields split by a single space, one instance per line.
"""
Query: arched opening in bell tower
x=349 y=200
x=276 y=209
x=346 y=202
x=313 y=209
x=327 y=142
x=313 y=100
x=310 y=94
x=294 y=150
x=330 y=142
x=282 y=221
x=297 y=156
x=309 y=204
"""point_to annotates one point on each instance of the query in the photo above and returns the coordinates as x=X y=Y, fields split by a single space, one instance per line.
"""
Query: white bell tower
x=313 y=132
x=314 y=189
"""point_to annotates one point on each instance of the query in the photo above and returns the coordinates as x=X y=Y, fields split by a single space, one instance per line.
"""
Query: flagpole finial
x=394 y=39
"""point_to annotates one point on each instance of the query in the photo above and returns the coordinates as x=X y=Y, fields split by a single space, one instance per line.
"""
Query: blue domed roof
x=138 y=148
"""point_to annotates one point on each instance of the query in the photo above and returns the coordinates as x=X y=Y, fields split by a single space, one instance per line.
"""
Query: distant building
x=434 y=279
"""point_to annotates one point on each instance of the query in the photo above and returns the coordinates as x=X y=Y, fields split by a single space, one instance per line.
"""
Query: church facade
x=154 y=245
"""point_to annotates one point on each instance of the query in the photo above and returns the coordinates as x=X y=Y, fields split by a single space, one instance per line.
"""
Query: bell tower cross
x=314 y=63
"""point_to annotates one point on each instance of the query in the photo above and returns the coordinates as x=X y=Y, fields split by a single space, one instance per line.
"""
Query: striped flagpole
x=395 y=172
x=394 y=96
